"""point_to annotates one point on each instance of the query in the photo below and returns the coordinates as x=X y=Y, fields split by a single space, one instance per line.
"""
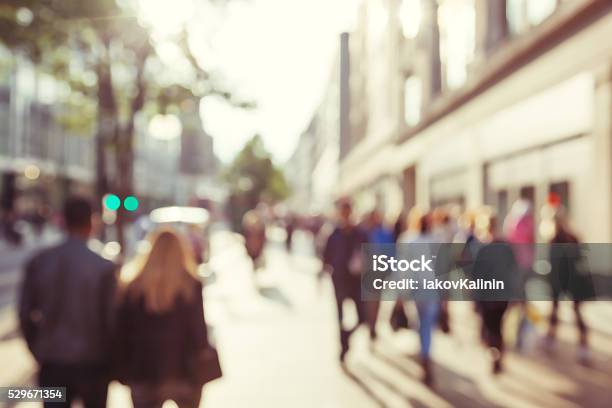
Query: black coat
x=156 y=348
x=66 y=305
x=342 y=245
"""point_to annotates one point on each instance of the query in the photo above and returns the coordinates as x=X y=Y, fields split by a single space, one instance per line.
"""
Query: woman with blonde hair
x=161 y=327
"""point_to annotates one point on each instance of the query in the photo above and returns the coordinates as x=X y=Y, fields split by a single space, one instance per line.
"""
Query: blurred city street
x=238 y=196
x=279 y=347
x=277 y=338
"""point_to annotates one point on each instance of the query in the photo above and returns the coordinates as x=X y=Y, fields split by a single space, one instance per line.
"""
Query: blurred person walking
x=66 y=312
x=564 y=278
x=444 y=226
x=378 y=234
x=320 y=243
x=254 y=231
x=37 y=218
x=519 y=230
x=494 y=259
x=290 y=226
x=196 y=239
x=342 y=258
x=399 y=318
x=161 y=331
x=428 y=308
x=470 y=239
x=520 y=234
x=468 y=234
x=399 y=226
x=444 y=230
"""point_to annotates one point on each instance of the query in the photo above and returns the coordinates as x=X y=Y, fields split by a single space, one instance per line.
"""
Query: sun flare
x=166 y=18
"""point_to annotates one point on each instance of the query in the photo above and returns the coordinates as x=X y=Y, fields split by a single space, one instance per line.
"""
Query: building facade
x=41 y=158
x=158 y=187
x=197 y=164
x=298 y=171
x=315 y=165
x=498 y=100
x=183 y=165
x=374 y=108
x=44 y=158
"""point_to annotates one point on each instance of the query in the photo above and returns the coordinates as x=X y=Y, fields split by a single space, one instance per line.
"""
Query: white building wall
x=549 y=121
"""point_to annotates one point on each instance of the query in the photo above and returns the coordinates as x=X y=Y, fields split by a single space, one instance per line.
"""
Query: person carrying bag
x=162 y=350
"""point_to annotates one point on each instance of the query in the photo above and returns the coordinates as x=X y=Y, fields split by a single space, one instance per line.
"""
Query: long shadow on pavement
x=529 y=378
x=456 y=389
x=589 y=385
x=363 y=385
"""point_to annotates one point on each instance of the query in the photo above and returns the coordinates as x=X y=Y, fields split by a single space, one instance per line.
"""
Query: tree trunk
x=106 y=129
x=125 y=187
x=125 y=154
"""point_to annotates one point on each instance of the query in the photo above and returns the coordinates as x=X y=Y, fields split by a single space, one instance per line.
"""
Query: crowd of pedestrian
x=510 y=242
x=88 y=321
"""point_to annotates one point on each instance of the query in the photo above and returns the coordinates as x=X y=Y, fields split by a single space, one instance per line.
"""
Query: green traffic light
x=130 y=203
x=112 y=202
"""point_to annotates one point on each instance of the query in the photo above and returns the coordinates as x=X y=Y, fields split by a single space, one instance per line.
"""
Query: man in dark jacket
x=342 y=257
x=66 y=310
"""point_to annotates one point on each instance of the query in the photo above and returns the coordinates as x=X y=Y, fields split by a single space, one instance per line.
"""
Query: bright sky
x=277 y=53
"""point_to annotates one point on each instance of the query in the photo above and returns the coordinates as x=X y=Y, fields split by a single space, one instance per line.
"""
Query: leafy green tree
x=253 y=178
x=117 y=66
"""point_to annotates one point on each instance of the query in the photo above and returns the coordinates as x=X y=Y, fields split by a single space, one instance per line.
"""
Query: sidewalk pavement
x=277 y=341
x=279 y=348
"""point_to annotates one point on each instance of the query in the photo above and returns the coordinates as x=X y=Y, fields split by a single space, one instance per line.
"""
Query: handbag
x=207 y=366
